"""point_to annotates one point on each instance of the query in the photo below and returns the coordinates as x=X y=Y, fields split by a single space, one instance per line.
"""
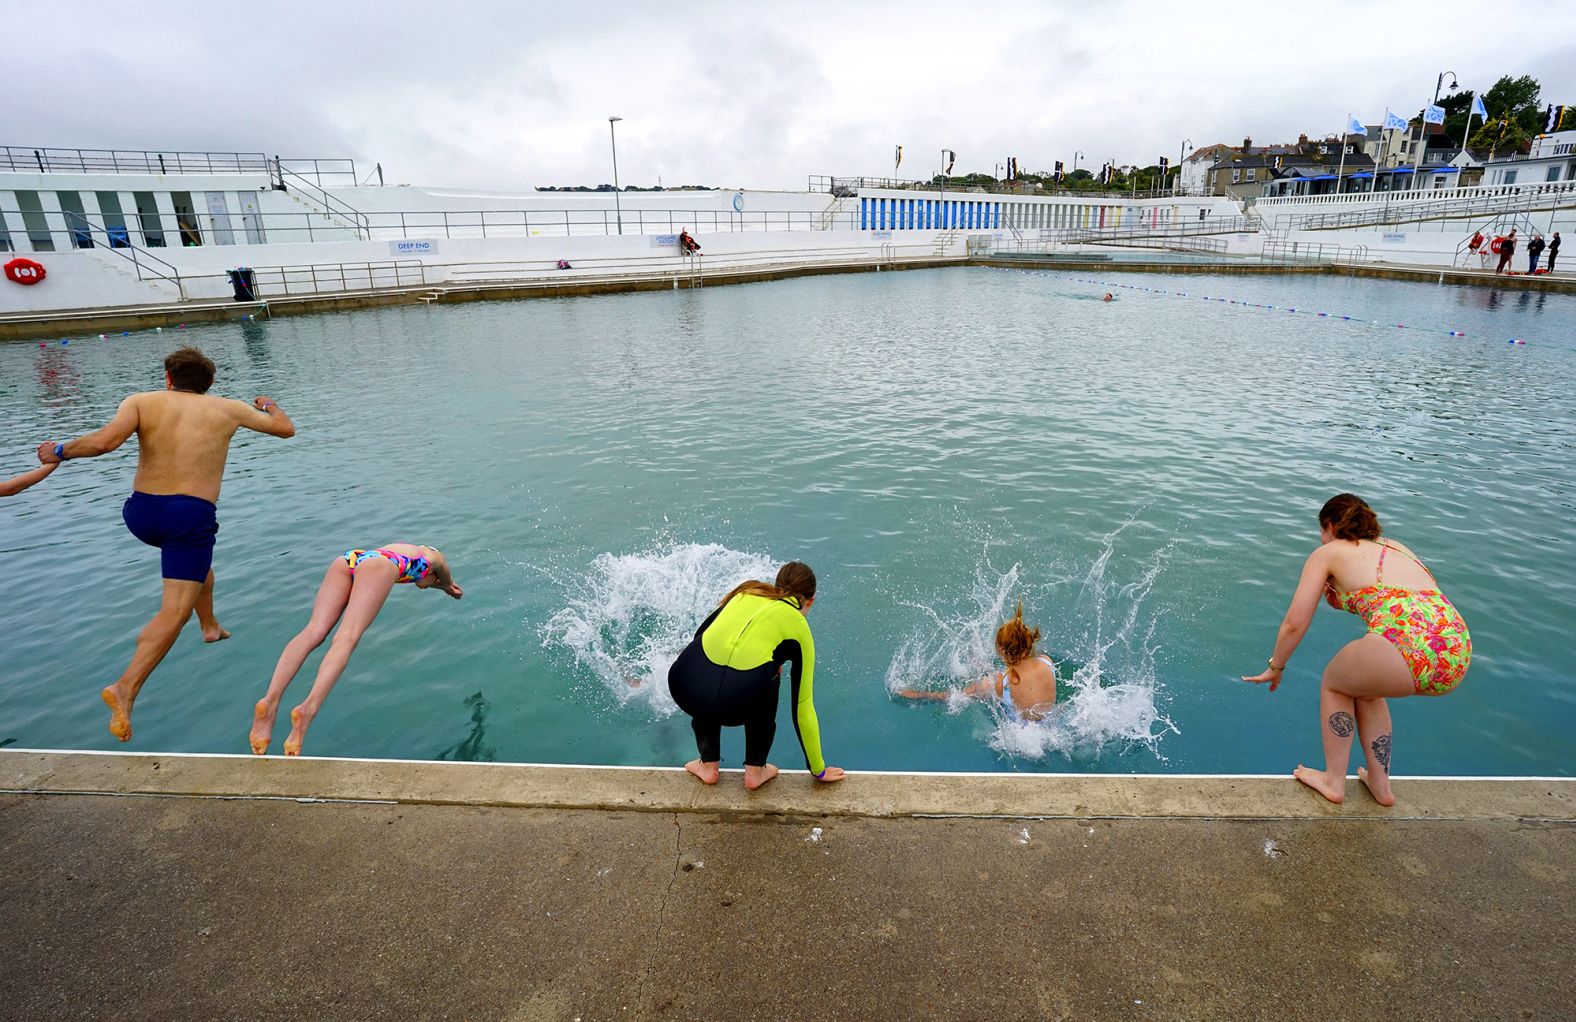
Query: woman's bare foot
x=756 y=776
x=300 y=720
x=119 y=713
x=214 y=633
x=263 y=726
x=1378 y=787
x=707 y=772
x=1321 y=782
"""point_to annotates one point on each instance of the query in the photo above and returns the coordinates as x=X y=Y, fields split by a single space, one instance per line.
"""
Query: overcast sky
x=506 y=96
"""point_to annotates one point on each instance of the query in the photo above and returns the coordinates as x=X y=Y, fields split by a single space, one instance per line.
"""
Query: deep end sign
x=413 y=248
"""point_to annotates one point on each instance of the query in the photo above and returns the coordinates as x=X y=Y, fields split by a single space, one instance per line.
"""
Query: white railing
x=1416 y=194
x=320 y=278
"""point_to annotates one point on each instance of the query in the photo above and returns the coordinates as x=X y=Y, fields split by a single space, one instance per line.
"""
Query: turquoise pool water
x=1143 y=474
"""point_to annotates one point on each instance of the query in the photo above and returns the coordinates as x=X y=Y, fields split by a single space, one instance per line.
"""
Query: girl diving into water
x=1026 y=689
x=1417 y=642
x=352 y=593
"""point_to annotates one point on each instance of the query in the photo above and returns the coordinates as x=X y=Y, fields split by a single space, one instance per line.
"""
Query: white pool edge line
x=672 y=769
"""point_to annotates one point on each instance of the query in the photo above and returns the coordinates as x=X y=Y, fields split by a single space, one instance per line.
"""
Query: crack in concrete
x=662 y=913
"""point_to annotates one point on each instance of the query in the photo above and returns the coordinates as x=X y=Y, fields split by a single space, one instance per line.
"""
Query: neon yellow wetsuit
x=729 y=675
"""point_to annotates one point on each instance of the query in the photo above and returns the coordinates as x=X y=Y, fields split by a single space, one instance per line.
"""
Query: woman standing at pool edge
x=1417 y=642
x=352 y=593
x=729 y=675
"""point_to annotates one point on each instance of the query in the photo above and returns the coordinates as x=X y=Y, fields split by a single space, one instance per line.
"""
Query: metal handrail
x=279 y=280
x=338 y=170
x=332 y=207
x=122 y=246
x=129 y=161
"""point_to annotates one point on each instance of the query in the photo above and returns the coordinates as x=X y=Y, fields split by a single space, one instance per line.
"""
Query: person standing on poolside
x=352 y=593
x=1417 y=642
x=183 y=437
x=1554 y=250
x=1507 y=248
x=730 y=675
x=1534 y=249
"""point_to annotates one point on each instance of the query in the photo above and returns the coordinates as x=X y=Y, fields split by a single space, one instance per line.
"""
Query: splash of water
x=1102 y=642
x=629 y=617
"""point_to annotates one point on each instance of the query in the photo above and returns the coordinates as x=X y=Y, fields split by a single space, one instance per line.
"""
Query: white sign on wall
x=1395 y=237
x=408 y=247
x=664 y=240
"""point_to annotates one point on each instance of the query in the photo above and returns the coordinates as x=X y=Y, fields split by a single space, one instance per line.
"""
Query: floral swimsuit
x=1421 y=623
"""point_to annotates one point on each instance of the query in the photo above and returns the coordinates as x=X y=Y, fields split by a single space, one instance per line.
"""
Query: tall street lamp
x=617 y=204
x=1181 y=157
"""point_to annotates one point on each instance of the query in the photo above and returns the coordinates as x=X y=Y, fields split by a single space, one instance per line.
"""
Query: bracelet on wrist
x=1278 y=670
x=60 y=450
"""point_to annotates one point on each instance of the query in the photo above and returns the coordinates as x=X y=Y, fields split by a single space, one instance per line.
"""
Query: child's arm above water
x=988 y=686
x=11 y=487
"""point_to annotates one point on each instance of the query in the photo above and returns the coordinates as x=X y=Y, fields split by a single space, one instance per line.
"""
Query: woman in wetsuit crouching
x=729 y=676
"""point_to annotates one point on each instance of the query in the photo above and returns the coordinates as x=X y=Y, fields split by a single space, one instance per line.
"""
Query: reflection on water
x=254 y=338
x=58 y=377
x=473 y=748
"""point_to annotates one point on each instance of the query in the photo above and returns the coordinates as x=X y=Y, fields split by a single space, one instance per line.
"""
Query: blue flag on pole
x=1434 y=115
x=1393 y=123
x=1355 y=127
x=1478 y=107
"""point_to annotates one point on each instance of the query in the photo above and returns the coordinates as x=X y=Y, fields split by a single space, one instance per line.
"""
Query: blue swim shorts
x=182 y=527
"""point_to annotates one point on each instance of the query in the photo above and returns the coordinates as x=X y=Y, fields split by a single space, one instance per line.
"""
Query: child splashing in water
x=352 y=593
x=1026 y=689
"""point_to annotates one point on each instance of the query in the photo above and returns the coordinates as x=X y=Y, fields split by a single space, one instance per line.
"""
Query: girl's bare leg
x=1364 y=668
x=326 y=608
x=1373 y=727
x=370 y=589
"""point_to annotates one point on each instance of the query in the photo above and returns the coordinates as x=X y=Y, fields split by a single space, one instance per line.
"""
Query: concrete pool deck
x=228 y=887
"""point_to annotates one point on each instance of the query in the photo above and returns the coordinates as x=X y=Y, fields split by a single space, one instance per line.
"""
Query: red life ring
x=1494 y=245
x=24 y=271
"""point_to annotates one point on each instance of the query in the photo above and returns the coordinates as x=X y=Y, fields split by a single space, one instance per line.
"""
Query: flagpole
x=1346 y=132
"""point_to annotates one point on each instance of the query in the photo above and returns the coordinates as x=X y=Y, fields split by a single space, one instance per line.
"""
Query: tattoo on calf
x=1381 y=747
x=1342 y=724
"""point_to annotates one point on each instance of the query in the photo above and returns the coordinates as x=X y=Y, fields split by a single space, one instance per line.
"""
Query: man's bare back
x=184 y=439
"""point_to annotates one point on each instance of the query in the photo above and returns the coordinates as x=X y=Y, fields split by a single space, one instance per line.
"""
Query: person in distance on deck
x=730 y=675
x=352 y=593
x=1417 y=642
x=1026 y=689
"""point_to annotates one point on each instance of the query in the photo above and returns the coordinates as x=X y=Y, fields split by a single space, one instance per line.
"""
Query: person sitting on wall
x=687 y=244
x=563 y=264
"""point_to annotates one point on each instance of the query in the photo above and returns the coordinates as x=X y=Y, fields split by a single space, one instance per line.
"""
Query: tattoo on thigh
x=1382 y=751
x=1342 y=724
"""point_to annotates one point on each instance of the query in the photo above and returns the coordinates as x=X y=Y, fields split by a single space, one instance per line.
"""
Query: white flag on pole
x=1355 y=127
x=1393 y=123
x=1434 y=115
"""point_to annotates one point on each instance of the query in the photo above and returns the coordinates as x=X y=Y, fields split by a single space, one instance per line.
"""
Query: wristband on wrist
x=60 y=450
x=269 y=404
x=1272 y=666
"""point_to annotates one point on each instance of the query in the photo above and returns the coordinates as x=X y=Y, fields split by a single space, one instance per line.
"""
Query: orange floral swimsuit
x=1421 y=623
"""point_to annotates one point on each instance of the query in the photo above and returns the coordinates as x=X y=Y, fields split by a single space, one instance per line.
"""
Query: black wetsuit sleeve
x=805 y=725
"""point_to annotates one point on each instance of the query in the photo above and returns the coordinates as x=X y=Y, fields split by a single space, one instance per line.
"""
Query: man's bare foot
x=707 y=772
x=263 y=726
x=756 y=776
x=300 y=720
x=214 y=633
x=1378 y=787
x=119 y=713
x=1319 y=781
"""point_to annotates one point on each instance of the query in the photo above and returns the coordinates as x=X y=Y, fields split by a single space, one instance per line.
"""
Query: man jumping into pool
x=183 y=436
